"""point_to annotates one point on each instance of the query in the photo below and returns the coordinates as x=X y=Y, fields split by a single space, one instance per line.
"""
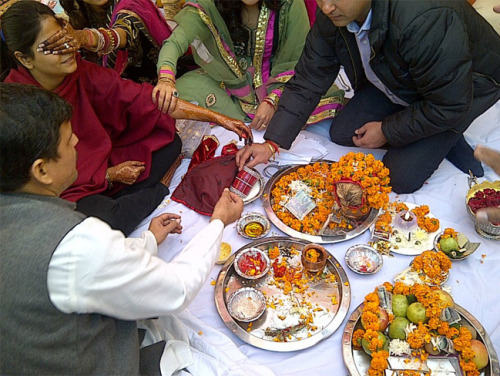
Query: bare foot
x=167 y=178
x=496 y=8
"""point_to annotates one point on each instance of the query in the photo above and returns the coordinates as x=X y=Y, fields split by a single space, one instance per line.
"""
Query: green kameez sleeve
x=178 y=43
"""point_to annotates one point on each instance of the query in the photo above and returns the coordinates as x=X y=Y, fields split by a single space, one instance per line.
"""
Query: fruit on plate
x=383 y=319
x=399 y=305
x=381 y=337
x=448 y=245
x=445 y=298
x=416 y=313
x=480 y=354
x=397 y=328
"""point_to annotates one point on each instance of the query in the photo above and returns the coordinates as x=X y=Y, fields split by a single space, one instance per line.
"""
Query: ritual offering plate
x=302 y=308
x=253 y=226
x=405 y=228
x=404 y=347
x=248 y=184
x=454 y=244
x=299 y=200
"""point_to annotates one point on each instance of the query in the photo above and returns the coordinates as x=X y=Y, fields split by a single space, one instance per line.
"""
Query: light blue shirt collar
x=354 y=28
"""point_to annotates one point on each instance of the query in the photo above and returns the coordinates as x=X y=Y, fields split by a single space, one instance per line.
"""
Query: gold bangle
x=272 y=151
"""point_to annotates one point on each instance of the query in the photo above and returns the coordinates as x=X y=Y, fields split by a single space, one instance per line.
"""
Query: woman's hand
x=239 y=128
x=65 y=41
x=126 y=172
x=165 y=224
x=263 y=116
x=253 y=154
x=165 y=96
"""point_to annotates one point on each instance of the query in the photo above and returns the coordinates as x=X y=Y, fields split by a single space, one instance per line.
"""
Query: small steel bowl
x=246 y=304
x=251 y=253
x=253 y=219
x=363 y=259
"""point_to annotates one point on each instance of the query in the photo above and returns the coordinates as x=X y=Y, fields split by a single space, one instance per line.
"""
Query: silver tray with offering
x=333 y=228
x=358 y=362
x=302 y=308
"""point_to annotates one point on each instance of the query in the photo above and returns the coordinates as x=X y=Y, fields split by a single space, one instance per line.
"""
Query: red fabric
x=205 y=151
x=311 y=10
x=202 y=187
x=114 y=119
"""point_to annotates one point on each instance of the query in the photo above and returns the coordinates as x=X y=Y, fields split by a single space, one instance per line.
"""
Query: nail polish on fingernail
x=46 y=52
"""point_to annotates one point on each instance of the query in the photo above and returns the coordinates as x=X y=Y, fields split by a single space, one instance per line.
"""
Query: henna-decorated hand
x=126 y=172
x=65 y=41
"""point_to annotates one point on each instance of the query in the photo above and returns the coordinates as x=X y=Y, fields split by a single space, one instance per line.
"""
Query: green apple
x=448 y=245
x=364 y=343
x=397 y=328
x=416 y=313
x=399 y=305
x=480 y=354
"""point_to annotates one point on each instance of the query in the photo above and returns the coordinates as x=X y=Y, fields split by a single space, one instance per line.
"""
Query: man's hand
x=253 y=154
x=126 y=172
x=165 y=224
x=488 y=156
x=370 y=136
x=262 y=117
x=229 y=207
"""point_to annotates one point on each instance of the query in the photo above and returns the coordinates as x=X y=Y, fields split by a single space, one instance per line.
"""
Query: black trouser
x=410 y=165
x=127 y=208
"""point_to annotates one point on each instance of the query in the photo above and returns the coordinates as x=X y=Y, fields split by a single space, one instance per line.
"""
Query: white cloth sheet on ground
x=474 y=282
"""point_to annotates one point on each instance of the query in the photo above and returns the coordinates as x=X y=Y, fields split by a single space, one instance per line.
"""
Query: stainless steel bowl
x=251 y=253
x=250 y=218
x=486 y=230
x=363 y=259
x=246 y=304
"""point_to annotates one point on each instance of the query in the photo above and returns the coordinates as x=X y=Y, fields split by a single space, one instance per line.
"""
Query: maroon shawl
x=114 y=119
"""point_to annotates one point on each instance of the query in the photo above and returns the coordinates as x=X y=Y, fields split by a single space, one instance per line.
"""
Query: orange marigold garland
x=430 y=299
x=370 y=173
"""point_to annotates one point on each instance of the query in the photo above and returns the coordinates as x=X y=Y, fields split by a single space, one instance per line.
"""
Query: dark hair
x=30 y=119
x=21 y=24
x=230 y=11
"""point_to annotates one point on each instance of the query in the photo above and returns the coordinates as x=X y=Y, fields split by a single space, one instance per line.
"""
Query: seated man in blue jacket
x=422 y=71
x=71 y=287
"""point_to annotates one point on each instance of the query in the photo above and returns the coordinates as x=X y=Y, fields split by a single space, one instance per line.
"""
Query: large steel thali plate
x=228 y=282
x=335 y=237
x=358 y=362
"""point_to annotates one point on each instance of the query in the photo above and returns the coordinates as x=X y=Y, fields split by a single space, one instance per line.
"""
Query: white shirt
x=97 y=270
x=361 y=34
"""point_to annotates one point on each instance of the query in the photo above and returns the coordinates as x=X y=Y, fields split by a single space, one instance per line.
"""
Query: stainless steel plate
x=335 y=237
x=228 y=282
x=358 y=362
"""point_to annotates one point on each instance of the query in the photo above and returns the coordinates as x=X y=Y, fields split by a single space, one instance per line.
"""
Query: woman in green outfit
x=246 y=51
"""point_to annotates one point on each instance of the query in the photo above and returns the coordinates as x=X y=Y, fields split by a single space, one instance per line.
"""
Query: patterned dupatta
x=146 y=16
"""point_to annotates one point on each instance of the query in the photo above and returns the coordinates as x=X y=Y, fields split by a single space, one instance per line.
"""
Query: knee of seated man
x=401 y=184
x=341 y=137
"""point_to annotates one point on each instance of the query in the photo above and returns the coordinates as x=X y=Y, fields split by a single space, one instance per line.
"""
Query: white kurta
x=97 y=270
